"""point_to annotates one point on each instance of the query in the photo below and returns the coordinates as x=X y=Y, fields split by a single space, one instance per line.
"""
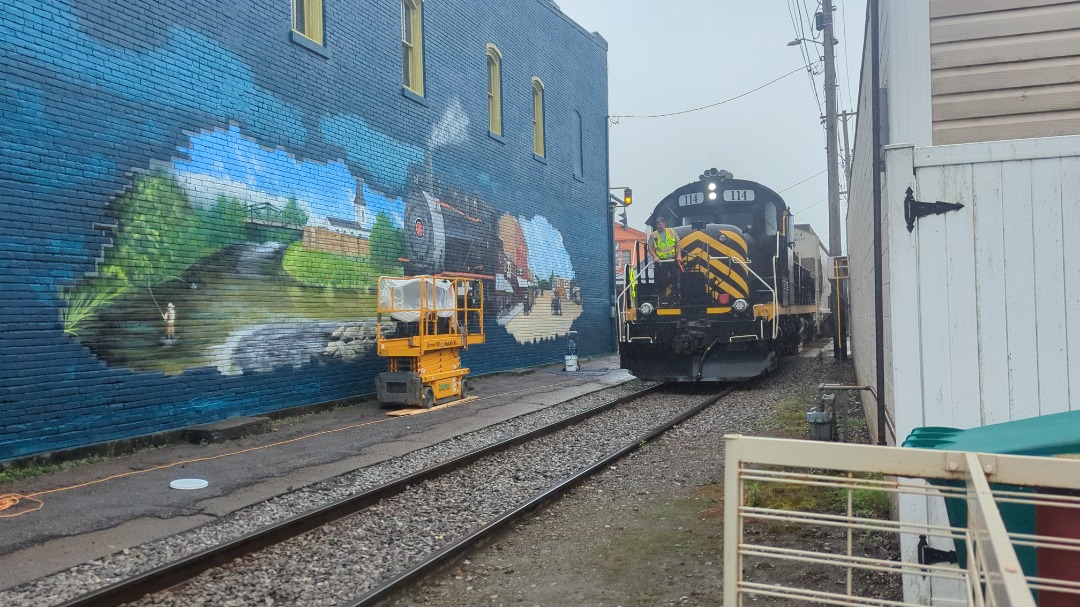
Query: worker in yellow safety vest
x=664 y=247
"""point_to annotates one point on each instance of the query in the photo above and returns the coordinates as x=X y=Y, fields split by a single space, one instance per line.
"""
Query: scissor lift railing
x=442 y=316
x=993 y=575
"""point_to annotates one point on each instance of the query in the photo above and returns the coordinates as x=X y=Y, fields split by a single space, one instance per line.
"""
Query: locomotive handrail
x=767 y=286
x=622 y=298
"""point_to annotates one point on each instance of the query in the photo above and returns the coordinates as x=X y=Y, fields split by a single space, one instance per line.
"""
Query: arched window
x=579 y=152
x=412 y=45
x=308 y=19
x=494 y=73
x=538 y=116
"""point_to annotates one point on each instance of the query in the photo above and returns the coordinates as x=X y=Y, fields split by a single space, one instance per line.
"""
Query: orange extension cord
x=9 y=501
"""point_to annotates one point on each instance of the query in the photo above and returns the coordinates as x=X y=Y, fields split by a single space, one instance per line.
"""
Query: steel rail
x=402 y=580
x=184 y=569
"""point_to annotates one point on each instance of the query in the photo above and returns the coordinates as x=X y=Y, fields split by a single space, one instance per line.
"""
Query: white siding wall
x=905 y=70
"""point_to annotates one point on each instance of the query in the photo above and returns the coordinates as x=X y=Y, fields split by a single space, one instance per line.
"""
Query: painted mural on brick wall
x=246 y=258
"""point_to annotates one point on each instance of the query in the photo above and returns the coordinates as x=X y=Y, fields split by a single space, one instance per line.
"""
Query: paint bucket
x=570 y=363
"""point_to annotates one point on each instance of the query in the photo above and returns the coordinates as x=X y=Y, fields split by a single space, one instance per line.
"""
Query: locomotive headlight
x=712 y=195
x=646 y=309
x=740 y=305
x=712 y=186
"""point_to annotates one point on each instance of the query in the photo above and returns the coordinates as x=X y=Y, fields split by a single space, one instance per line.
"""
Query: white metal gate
x=992 y=574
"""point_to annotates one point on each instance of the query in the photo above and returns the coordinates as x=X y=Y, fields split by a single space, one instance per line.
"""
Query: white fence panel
x=992 y=290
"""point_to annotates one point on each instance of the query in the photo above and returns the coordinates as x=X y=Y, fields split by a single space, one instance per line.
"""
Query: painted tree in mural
x=387 y=245
x=292 y=214
x=221 y=225
x=158 y=236
x=154 y=221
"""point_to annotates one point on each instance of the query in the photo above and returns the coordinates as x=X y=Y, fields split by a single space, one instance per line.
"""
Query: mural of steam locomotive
x=741 y=298
x=450 y=231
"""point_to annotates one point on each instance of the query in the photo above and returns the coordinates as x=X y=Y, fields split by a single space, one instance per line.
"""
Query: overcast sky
x=682 y=54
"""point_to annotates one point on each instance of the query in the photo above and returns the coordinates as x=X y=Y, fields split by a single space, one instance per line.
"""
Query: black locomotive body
x=739 y=299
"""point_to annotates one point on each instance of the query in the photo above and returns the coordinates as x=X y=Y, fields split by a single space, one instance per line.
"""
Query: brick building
x=175 y=153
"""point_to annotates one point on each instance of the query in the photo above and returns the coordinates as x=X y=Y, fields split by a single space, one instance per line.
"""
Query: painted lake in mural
x=237 y=310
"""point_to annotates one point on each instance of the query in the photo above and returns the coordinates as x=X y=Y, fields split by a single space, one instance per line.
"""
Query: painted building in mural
x=197 y=198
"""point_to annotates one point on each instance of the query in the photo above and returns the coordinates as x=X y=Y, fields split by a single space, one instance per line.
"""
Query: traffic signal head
x=627 y=196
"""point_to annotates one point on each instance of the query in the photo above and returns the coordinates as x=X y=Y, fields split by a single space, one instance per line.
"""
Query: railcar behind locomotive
x=741 y=299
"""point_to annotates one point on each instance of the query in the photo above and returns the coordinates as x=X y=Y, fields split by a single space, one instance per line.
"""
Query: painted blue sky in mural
x=226 y=162
x=547 y=252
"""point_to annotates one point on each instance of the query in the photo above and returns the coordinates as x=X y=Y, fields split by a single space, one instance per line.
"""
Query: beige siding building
x=952 y=72
x=1004 y=69
x=975 y=103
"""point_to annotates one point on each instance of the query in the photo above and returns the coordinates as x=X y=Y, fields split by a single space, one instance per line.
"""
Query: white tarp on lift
x=403 y=295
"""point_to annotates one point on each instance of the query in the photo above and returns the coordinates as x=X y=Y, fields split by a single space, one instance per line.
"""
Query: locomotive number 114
x=738 y=195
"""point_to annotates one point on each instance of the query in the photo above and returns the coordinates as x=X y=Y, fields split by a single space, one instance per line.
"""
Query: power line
x=811 y=206
x=705 y=107
x=847 y=61
x=803 y=181
x=795 y=13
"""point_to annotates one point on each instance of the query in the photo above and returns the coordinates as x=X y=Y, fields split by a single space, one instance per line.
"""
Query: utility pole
x=830 y=130
x=844 y=115
x=839 y=341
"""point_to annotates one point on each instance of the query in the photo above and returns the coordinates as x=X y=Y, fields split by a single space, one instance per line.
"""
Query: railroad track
x=366 y=547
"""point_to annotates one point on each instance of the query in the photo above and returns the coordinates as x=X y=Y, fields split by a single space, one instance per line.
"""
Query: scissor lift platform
x=433 y=318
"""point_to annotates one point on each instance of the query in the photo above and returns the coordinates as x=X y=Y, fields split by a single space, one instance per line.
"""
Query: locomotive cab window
x=771 y=223
x=703 y=218
x=744 y=220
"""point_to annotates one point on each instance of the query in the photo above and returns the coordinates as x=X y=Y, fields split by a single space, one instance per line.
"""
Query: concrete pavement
x=97 y=512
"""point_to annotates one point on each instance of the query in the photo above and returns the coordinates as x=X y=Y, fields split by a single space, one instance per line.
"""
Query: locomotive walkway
x=93 y=519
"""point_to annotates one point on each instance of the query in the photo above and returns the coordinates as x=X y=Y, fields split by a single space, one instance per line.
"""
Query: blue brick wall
x=191 y=153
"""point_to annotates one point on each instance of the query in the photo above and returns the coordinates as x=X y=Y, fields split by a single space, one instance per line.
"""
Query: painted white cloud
x=547 y=253
x=204 y=190
x=452 y=128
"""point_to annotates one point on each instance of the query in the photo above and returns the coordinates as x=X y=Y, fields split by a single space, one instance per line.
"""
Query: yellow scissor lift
x=435 y=317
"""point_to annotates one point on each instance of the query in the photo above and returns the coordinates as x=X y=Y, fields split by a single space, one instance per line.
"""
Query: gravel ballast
x=646 y=532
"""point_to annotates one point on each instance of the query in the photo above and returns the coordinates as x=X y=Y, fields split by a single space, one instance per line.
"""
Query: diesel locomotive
x=740 y=298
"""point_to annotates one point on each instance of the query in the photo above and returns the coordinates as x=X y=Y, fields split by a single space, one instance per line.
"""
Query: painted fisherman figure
x=169 y=315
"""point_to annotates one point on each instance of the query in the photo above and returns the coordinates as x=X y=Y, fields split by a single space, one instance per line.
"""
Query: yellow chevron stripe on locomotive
x=721 y=257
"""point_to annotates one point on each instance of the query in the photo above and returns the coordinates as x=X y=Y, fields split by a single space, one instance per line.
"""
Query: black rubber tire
x=466 y=388
x=428 y=401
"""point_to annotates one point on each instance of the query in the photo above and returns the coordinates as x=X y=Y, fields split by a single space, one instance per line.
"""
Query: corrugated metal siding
x=1004 y=69
x=905 y=82
x=860 y=249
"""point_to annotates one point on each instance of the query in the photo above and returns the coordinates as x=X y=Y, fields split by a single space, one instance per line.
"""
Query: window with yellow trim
x=538 y=116
x=412 y=45
x=494 y=72
x=308 y=19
